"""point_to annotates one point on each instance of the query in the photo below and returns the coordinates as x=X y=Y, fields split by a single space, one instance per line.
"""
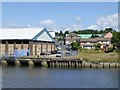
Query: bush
x=97 y=46
x=75 y=46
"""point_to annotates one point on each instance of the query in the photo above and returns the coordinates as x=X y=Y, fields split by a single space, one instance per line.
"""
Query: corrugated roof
x=52 y=33
x=21 y=33
x=88 y=35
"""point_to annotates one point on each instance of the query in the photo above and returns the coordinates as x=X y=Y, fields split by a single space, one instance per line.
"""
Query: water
x=30 y=77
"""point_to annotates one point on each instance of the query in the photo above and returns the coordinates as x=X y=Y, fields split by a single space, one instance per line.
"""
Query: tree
x=116 y=40
x=93 y=36
x=56 y=34
x=61 y=33
x=97 y=46
x=75 y=45
x=66 y=32
x=107 y=30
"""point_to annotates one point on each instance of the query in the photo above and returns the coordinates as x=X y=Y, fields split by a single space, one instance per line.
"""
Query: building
x=108 y=35
x=89 y=35
x=69 y=38
x=38 y=40
x=89 y=43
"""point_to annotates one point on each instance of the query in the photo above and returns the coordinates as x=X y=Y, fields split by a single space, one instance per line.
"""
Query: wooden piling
x=4 y=62
x=17 y=63
x=30 y=63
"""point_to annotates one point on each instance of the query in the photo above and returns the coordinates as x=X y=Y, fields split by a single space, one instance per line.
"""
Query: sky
x=60 y=15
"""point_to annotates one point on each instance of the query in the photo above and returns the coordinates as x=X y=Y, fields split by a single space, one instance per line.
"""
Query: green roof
x=88 y=35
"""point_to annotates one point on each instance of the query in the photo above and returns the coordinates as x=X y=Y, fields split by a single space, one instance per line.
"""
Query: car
x=59 y=54
x=67 y=48
x=68 y=53
x=59 y=48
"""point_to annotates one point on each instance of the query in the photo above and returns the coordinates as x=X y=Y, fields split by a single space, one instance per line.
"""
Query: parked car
x=42 y=53
x=54 y=52
x=68 y=53
x=59 y=54
x=58 y=48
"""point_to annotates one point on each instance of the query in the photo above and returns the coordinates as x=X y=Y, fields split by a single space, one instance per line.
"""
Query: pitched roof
x=88 y=35
x=88 y=40
x=108 y=35
x=94 y=39
x=102 y=39
x=72 y=34
x=25 y=33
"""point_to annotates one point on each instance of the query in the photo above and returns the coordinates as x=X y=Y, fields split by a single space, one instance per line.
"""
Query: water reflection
x=43 y=77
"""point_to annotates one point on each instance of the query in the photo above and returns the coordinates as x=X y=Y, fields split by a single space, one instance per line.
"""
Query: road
x=64 y=50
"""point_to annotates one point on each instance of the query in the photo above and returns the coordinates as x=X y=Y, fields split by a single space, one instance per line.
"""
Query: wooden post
x=109 y=65
x=6 y=47
x=51 y=47
x=22 y=45
x=31 y=47
x=14 y=45
x=35 y=48
x=54 y=47
x=103 y=64
x=115 y=65
x=90 y=65
x=41 y=47
x=46 y=47
x=75 y=64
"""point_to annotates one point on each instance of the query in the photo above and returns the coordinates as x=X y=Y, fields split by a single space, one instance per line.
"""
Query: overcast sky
x=60 y=16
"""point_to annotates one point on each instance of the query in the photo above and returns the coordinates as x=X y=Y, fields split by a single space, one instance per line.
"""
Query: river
x=37 y=77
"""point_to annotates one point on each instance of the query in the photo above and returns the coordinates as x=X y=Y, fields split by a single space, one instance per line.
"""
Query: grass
x=94 y=55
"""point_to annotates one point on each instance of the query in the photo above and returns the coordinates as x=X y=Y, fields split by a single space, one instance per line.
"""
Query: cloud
x=47 y=22
x=14 y=25
x=94 y=27
x=28 y=26
x=71 y=27
x=65 y=15
x=74 y=26
x=110 y=21
x=78 y=18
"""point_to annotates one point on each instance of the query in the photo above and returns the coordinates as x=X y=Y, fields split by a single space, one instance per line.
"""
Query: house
x=108 y=35
x=37 y=40
x=89 y=43
x=72 y=37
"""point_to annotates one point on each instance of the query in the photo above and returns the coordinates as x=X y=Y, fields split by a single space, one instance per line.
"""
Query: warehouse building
x=37 y=40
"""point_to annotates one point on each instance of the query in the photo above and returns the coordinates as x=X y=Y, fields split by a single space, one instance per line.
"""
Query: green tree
x=107 y=30
x=75 y=45
x=93 y=36
x=56 y=34
x=97 y=46
x=61 y=33
x=116 y=40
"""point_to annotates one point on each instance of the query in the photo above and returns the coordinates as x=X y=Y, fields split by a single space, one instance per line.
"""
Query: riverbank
x=89 y=56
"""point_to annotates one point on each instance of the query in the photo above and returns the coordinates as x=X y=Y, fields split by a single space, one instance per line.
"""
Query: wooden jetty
x=58 y=62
